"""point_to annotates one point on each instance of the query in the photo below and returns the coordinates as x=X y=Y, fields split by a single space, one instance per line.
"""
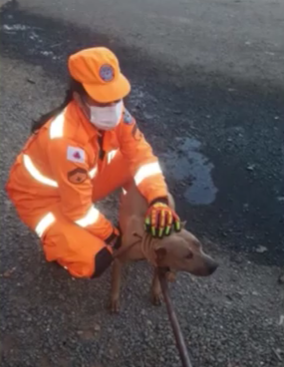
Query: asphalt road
x=208 y=94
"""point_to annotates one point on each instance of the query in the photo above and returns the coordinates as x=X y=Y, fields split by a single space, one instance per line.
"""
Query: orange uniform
x=67 y=166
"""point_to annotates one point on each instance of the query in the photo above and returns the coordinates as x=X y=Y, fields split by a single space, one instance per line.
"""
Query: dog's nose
x=212 y=266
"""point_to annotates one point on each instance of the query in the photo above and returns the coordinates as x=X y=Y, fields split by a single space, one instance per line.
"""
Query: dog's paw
x=156 y=299
x=114 y=306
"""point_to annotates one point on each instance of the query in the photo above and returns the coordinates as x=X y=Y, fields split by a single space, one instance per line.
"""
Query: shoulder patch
x=127 y=117
x=77 y=175
x=75 y=154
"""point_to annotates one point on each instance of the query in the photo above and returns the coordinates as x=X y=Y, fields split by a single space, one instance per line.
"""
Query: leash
x=180 y=342
x=122 y=250
x=146 y=249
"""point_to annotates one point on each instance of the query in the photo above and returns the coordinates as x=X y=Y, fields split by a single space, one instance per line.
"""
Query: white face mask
x=106 y=118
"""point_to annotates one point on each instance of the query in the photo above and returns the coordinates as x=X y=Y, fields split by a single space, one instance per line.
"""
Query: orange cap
x=98 y=70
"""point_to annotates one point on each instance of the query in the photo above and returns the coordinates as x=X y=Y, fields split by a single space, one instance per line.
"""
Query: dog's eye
x=189 y=255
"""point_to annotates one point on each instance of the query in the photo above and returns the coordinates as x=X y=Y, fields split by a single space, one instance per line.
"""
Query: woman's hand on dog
x=160 y=219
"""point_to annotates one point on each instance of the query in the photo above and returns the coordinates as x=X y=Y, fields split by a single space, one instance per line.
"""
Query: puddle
x=186 y=162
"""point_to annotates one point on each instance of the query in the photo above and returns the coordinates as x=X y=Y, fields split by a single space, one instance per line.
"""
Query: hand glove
x=160 y=219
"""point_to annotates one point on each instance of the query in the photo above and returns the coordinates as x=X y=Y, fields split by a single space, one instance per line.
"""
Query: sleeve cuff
x=163 y=200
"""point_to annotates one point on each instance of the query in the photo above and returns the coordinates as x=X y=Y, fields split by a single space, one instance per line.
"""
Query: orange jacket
x=59 y=161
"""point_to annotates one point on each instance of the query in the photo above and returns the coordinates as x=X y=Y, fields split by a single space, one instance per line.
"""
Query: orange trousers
x=74 y=247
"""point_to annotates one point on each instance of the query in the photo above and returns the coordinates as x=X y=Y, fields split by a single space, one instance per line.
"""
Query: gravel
x=232 y=319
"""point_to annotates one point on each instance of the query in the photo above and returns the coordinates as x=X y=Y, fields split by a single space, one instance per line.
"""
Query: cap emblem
x=106 y=73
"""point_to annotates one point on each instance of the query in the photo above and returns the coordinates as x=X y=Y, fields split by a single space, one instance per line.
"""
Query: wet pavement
x=220 y=140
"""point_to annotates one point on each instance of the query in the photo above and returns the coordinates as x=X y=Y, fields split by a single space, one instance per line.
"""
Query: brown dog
x=180 y=251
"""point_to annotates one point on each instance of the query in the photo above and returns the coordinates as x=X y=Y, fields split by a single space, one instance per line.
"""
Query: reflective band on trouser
x=149 y=169
x=90 y=218
x=34 y=172
x=44 y=223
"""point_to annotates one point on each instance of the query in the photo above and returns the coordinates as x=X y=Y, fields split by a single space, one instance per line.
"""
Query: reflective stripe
x=43 y=179
x=92 y=172
x=111 y=155
x=56 y=127
x=34 y=172
x=149 y=169
x=44 y=223
x=124 y=192
x=90 y=218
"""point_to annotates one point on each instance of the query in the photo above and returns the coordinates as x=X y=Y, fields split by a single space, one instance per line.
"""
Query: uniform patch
x=75 y=154
x=136 y=133
x=77 y=175
x=127 y=118
x=106 y=73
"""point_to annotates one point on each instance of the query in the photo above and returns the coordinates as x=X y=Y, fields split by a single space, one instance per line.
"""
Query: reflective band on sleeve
x=56 y=127
x=111 y=155
x=34 y=172
x=92 y=172
x=149 y=169
x=44 y=223
x=90 y=218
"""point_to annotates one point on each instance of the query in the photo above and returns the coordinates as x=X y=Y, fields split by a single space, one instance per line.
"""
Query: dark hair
x=74 y=86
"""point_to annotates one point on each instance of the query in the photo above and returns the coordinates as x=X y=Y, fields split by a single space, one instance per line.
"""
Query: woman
x=78 y=154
